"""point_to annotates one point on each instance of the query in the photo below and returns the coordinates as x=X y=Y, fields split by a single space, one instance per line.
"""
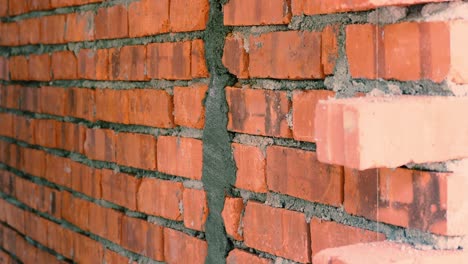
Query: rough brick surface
x=257 y=12
x=250 y=163
x=178 y=247
x=161 y=198
x=148 y=17
x=189 y=109
x=195 y=209
x=237 y=256
x=232 y=212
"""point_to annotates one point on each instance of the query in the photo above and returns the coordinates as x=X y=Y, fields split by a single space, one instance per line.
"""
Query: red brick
x=81 y=103
x=276 y=231
x=45 y=132
x=112 y=105
x=286 y=55
x=111 y=257
x=33 y=162
x=111 y=22
x=87 y=250
x=386 y=253
x=29 y=31
x=75 y=210
x=143 y=237
x=14 y=97
x=53 y=29
x=178 y=247
x=58 y=170
x=304 y=104
x=180 y=156
x=60 y=239
x=120 y=188
x=198 y=65
x=238 y=256
x=6 y=125
x=17 y=7
x=4 y=12
x=14 y=156
x=127 y=63
x=39 y=67
x=189 y=109
x=5 y=258
x=298 y=173
x=93 y=64
x=4 y=68
x=9 y=34
x=19 y=68
x=105 y=222
x=381 y=120
x=23 y=128
x=195 y=209
x=150 y=107
x=161 y=198
x=258 y=112
x=189 y=15
x=169 y=60
x=36 y=227
x=232 y=212
x=148 y=17
x=71 y=137
x=326 y=234
x=52 y=100
x=250 y=163
x=235 y=57
x=136 y=150
x=14 y=217
x=64 y=65
x=257 y=12
x=79 y=27
x=86 y=180
x=39 y=5
x=7 y=182
x=100 y=144
x=330 y=48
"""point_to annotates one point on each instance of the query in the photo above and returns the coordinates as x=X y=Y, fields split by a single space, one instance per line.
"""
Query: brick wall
x=177 y=131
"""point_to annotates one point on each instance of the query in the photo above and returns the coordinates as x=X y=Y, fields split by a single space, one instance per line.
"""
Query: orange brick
x=150 y=107
x=93 y=64
x=100 y=144
x=71 y=137
x=23 y=128
x=258 y=112
x=232 y=212
x=250 y=163
x=257 y=12
x=52 y=100
x=7 y=182
x=4 y=68
x=4 y=12
x=305 y=176
x=105 y=222
x=39 y=5
x=79 y=27
x=161 y=198
x=64 y=65
x=304 y=104
x=14 y=97
x=17 y=7
x=235 y=57
x=189 y=16
x=136 y=150
x=112 y=105
x=277 y=231
x=238 y=256
x=120 y=188
x=111 y=22
x=60 y=239
x=29 y=31
x=115 y=258
x=198 y=61
x=87 y=250
x=9 y=34
x=58 y=170
x=36 y=227
x=127 y=63
x=330 y=48
x=148 y=17
x=53 y=28
x=81 y=103
x=5 y=258
x=180 y=156
x=86 y=180
x=195 y=209
x=6 y=125
x=143 y=237
x=169 y=60
x=179 y=247
x=45 y=132
x=189 y=109
x=33 y=162
x=286 y=55
x=75 y=211
x=326 y=234
x=19 y=68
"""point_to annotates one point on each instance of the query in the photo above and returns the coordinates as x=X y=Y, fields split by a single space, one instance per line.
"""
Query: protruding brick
x=386 y=253
x=169 y=60
x=64 y=65
x=277 y=231
x=258 y=112
x=161 y=198
x=353 y=132
x=238 y=256
x=148 y=17
x=257 y=12
x=232 y=212
x=286 y=55
x=143 y=238
x=189 y=15
x=304 y=104
x=195 y=209
x=150 y=107
x=235 y=57
x=250 y=163
x=39 y=67
x=136 y=150
x=111 y=22
x=180 y=156
x=178 y=247
x=327 y=234
x=127 y=63
x=120 y=188
x=189 y=110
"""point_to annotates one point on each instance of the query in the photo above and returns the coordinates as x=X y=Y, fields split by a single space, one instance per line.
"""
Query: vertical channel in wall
x=218 y=164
